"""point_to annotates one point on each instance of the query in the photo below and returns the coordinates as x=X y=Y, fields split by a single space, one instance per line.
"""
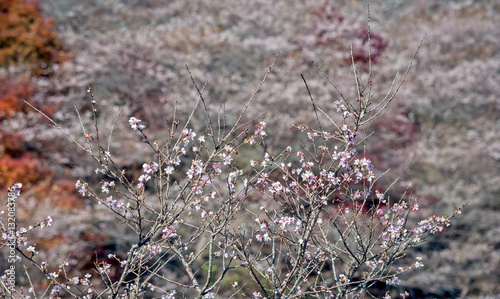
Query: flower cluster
x=82 y=187
x=259 y=132
x=169 y=232
x=117 y=205
x=432 y=224
x=135 y=124
x=188 y=136
x=150 y=168
x=106 y=185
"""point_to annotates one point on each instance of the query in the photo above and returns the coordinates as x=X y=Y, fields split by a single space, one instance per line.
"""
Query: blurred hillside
x=440 y=133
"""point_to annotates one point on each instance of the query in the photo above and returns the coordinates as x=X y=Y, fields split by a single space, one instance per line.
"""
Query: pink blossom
x=169 y=295
x=82 y=187
x=106 y=185
x=418 y=263
x=104 y=268
x=150 y=167
x=169 y=170
x=49 y=220
x=260 y=129
x=55 y=290
x=393 y=281
x=225 y=158
x=286 y=222
x=169 y=233
x=134 y=124
x=254 y=163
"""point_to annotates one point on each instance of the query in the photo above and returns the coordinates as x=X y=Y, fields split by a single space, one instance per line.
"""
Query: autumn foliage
x=26 y=38
x=26 y=41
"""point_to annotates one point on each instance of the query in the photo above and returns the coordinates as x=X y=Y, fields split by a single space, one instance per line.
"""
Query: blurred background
x=441 y=133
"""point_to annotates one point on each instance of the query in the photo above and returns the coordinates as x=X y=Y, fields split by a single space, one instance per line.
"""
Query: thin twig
x=388 y=98
x=312 y=101
x=113 y=127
